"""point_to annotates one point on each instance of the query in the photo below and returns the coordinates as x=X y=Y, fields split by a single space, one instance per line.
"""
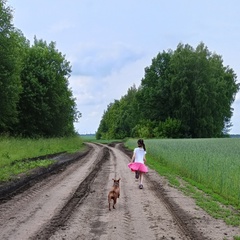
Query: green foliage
x=10 y=65
x=155 y=91
x=186 y=93
x=46 y=107
x=35 y=99
x=119 y=118
x=168 y=129
x=195 y=89
x=143 y=129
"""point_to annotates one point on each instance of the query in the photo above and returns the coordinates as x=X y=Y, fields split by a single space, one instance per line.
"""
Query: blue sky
x=109 y=43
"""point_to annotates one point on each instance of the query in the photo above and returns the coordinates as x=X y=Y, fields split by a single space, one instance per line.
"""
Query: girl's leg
x=141 y=180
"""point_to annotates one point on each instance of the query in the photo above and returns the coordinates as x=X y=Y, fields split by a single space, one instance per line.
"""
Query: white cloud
x=84 y=89
x=94 y=95
x=61 y=26
x=101 y=61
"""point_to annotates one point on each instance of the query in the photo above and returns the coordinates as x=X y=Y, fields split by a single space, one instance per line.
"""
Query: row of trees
x=35 y=99
x=186 y=93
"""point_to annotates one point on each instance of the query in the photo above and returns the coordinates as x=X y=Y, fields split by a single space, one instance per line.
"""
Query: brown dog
x=114 y=193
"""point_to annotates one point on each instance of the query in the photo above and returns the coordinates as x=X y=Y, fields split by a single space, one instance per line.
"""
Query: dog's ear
x=119 y=179
x=113 y=179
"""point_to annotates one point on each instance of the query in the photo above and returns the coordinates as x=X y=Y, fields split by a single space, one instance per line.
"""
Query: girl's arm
x=133 y=157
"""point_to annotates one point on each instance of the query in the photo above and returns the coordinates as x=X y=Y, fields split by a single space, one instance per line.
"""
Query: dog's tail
x=109 y=196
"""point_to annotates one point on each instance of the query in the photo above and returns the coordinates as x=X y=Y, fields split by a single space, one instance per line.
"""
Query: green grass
x=209 y=168
x=9 y=172
x=15 y=151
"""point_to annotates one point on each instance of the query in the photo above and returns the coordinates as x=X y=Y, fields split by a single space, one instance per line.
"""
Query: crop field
x=214 y=163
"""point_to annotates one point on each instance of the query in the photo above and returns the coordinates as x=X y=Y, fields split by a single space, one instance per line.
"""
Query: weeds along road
x=72 y=204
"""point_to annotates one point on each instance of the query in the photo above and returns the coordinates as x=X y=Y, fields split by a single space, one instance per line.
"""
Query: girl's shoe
x=137 y=174
x=141 y=186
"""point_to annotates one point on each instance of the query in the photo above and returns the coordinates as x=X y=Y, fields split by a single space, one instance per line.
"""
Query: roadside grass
x=215 y=204
x=205 y=198
x=16 y=153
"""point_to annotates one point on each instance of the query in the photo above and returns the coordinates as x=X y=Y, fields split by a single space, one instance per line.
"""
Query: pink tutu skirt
x=135 y=166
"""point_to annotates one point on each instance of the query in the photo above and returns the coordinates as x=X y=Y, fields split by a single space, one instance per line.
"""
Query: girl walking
x=137 y=164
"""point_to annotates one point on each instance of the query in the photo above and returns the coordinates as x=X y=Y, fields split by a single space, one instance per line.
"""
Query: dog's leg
x=114 y=202
x=109 y=203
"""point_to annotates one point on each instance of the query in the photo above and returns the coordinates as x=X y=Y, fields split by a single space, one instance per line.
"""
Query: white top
x=139 y=155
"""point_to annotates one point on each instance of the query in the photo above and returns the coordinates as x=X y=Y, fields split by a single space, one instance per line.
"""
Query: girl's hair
x=140 y=143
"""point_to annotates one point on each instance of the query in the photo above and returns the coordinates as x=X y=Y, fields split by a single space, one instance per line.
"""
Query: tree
x=120 y=117
x=154 y=93
x=10 y=66
x=47 y=107
x=192 y=87
x=128 y=113
x=202 y=91
x=184 y=93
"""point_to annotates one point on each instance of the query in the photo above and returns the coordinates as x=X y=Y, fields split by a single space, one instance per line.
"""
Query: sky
x=109 y=43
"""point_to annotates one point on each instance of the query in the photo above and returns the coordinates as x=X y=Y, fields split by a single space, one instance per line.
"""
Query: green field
x=214 y=163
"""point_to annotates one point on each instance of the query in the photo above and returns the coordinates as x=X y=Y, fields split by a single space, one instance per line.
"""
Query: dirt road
x=72 y=204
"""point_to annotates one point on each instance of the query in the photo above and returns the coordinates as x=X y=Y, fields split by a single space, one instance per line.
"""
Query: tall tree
x=191 y=86
x=127 y=113
x=154 y=92
x=47 y=107
x=10 y=85
x=202 y=90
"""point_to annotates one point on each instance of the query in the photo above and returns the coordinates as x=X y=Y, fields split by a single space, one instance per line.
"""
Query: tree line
x=185 y=93
x=35 y=98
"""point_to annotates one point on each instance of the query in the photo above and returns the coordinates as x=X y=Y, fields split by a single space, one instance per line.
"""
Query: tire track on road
x=180 y=216
x=82 y=191
x=24 y=214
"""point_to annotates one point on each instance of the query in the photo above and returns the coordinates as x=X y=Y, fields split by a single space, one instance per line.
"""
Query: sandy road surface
x=73 y=205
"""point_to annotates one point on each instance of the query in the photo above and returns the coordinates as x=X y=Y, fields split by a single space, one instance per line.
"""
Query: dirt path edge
x=24 y=181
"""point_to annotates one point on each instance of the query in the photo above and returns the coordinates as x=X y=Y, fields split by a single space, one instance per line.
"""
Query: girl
x=138 y=159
